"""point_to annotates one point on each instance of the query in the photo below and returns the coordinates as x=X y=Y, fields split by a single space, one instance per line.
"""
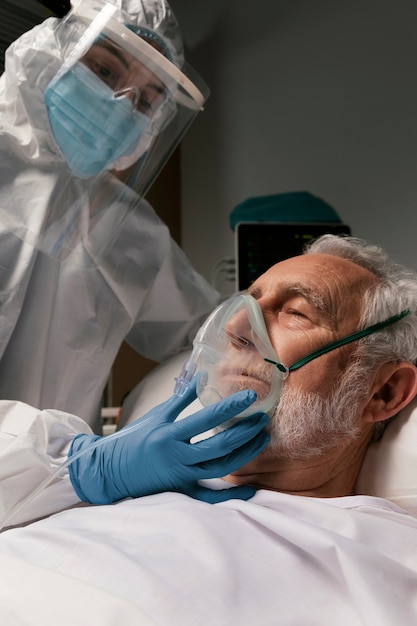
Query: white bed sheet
x=34 y=596
x=277 y=559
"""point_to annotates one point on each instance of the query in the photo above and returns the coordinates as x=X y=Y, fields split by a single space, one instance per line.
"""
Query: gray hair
x=395 y=291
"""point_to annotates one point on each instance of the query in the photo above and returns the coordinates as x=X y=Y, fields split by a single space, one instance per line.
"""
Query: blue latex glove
x=158 y=456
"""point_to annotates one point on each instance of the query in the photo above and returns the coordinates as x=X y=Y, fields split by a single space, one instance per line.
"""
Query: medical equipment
x=269 y=229
x=161 y=458
x=259 y=245
x=232 y=351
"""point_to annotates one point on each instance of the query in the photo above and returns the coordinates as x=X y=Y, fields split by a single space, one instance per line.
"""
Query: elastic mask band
x=340 y=342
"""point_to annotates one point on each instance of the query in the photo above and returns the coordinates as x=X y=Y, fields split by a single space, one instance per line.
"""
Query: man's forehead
x=314 y=273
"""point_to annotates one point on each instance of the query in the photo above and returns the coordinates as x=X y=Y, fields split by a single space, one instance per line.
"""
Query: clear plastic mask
x=229 y=353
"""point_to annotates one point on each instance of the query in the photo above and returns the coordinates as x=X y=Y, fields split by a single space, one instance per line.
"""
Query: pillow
x=389 y=469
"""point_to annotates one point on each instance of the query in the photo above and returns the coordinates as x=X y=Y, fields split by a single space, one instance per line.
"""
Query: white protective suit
x=64 y=316
x=33 y=446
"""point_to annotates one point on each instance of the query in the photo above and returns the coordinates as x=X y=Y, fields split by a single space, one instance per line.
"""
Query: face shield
x=232 y=351
x=117 y=104
x=114 y=96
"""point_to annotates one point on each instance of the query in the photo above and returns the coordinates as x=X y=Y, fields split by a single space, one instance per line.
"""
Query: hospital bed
x=275 y=560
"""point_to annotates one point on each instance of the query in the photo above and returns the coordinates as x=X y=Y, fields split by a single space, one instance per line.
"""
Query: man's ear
x=395 y=387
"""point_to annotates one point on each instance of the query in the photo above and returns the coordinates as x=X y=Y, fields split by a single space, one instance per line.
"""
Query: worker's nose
x=132 y=93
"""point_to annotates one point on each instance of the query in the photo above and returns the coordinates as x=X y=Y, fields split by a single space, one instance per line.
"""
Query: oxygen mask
x=232 y=351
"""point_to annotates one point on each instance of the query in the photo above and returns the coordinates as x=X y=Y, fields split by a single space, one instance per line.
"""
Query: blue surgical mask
x=91 y=126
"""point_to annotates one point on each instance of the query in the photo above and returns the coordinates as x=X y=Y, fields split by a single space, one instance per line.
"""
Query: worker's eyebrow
x=119 y=54
x=114 y=50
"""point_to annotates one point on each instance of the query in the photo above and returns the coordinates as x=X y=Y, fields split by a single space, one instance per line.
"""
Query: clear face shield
x=116 y=92
x=117 y=107
x=232 y=351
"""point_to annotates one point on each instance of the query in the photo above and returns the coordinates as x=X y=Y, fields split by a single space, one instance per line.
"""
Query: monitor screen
x=262 y=244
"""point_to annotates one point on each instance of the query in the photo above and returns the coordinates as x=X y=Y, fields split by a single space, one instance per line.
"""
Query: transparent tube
x=127 y=430
x=183 y=381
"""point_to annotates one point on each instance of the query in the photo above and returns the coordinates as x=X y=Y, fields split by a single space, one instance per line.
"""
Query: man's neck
x=333 y=474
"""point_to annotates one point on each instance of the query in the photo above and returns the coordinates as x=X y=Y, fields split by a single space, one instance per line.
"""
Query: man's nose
x=238 y=330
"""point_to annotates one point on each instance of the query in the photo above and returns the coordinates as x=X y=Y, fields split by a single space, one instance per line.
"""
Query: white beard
x=304 y=424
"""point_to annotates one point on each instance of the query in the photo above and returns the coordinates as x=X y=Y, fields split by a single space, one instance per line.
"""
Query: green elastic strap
x=340 y=342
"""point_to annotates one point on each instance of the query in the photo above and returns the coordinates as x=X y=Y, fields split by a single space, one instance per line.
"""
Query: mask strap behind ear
x=340 y=342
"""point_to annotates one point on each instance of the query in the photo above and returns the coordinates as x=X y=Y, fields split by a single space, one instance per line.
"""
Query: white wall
x=308 y=95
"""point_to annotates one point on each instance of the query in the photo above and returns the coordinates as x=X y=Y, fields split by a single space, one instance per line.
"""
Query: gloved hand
x=157 y=455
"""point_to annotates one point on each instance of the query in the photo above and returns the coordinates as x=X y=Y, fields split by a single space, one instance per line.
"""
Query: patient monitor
x=271 y=228
x=258 y=245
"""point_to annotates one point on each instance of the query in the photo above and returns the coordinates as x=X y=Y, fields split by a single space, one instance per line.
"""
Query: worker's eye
x=145 y=106
x=102 y=60
x=150 y=99
x=104 y=71
x=105 y=74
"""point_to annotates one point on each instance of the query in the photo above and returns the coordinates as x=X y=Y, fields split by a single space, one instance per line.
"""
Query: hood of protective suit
x=154 y=15
x=54 y=209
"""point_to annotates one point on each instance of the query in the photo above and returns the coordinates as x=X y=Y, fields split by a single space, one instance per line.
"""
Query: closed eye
x=295 y=317
x=294 y=312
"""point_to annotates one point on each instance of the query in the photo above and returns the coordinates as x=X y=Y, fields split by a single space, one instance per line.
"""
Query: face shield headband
x=232 y=351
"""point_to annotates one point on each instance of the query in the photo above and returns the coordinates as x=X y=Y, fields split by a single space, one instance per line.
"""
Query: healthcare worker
x=91 y=107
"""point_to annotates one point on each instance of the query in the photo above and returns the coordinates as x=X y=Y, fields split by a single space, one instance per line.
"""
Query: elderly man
x=339 y=326
x=332 y=407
